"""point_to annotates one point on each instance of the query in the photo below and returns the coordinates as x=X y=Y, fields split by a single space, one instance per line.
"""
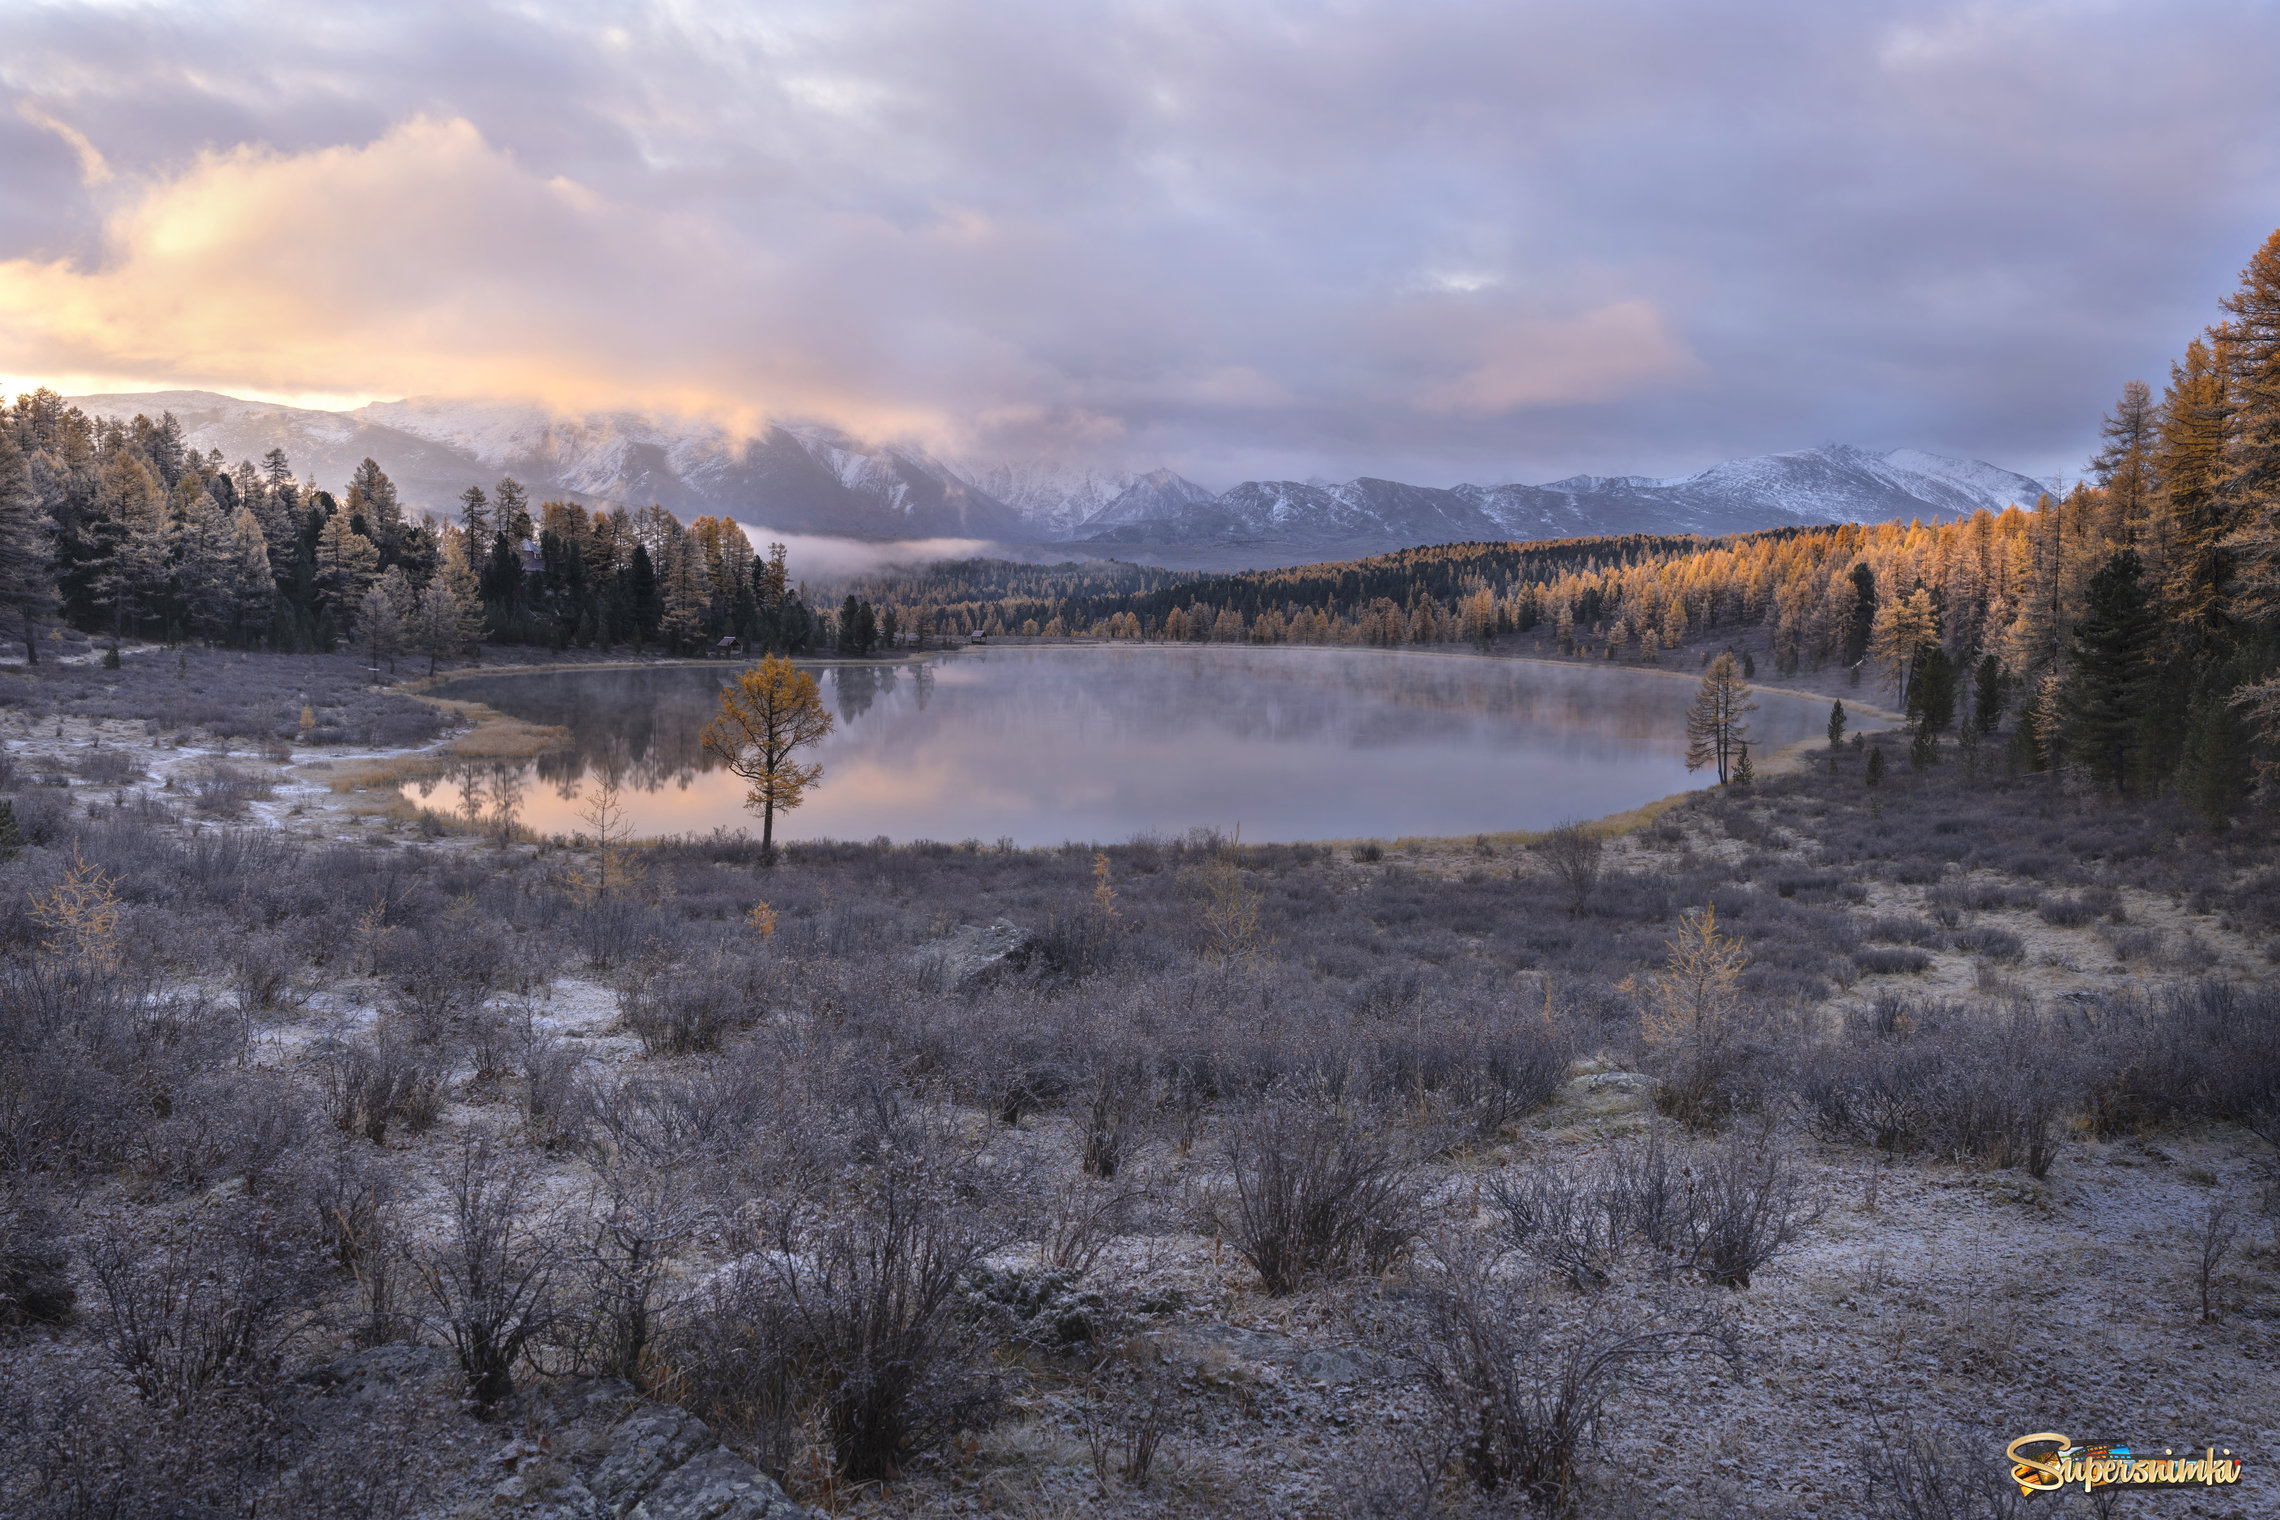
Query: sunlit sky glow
x=1437 y=241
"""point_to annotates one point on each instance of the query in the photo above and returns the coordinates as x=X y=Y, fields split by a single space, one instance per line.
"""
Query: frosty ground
x=1992 y=1060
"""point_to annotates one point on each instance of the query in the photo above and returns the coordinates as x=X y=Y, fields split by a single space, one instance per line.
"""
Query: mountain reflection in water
x=1048 y=744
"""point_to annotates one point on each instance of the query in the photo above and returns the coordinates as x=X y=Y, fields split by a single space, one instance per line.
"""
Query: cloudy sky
x=1430 y=239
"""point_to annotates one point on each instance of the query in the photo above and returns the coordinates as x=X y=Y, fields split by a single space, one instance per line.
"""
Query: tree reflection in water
x=1047 y=744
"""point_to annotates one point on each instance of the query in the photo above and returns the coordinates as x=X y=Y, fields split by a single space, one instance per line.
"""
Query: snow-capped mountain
x=1836 y=483
x=1056 y=499
x=1146 y=498
x=812 y=479
x=794 y=480
x=325 y=447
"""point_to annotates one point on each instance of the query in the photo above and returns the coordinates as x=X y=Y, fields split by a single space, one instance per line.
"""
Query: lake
x=1047 y=744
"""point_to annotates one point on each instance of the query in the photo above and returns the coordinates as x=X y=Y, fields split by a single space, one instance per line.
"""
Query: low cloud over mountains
x=820 y=481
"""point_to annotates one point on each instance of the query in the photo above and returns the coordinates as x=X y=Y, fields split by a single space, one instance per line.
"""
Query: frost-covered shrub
x=681 y=1010
x=1315 y=1191
x=1980 y=1084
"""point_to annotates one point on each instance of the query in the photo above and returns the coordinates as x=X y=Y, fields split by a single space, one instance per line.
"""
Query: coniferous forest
x=119 y=529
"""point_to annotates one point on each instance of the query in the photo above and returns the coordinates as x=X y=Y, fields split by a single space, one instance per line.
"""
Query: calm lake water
x=1045 y=745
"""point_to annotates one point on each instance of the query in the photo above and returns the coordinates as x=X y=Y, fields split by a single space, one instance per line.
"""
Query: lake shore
x=1266 y=732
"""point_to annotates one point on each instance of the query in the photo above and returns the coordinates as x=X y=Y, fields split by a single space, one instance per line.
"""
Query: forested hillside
x=118 y=529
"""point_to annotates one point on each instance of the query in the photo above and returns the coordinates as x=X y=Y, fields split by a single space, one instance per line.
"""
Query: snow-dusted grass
x=1936 y=1289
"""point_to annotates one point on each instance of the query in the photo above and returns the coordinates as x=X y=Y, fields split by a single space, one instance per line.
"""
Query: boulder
x=979 y=953
x=717 y=1485
x=653 y=1441
x=664 y=1464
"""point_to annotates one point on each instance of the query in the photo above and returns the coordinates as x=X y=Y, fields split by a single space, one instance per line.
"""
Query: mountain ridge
x=815 y=479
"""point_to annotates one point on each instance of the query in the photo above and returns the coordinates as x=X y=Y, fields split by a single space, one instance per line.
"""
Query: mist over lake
x=1043 y=745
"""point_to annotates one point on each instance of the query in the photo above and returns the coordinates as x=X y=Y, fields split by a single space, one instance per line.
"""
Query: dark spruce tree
x=1990 y=694
x=502 y=590
x=2106 y=695
x=647 y=604
x=1931 y=690
x=27 y=535
x=2213 y=766
x=858 y=626
x=1863 y=619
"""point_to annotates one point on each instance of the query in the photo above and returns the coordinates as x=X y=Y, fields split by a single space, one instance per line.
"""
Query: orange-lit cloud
x=429 y=262
x=1598 y=355
x=93 y=169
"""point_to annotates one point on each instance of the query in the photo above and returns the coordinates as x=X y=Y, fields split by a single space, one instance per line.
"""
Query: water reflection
x=1045 y=745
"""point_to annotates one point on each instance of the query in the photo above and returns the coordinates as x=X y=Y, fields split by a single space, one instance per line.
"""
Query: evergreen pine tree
x=372 y=496
x=511 y=513
x=1923 y=744
x=205 y=564
x=475 y=515
x=457 y=575
x=641 y=593
x=251 y=588
x=66 y=476
x=2106 y=691
x=1989 y=694
x=128 y=539
x=502 y=584
x=1931 y=694
x=1860 y=623
x=27 y=549
x=2213 y=770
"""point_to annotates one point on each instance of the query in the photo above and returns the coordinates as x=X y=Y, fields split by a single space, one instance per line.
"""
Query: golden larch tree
x=1905 y=627
x=771 y=710
x=1693 y=1000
